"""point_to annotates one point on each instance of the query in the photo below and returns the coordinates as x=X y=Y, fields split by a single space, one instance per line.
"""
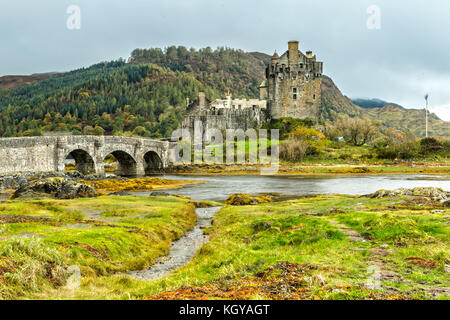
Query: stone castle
x=292 y=88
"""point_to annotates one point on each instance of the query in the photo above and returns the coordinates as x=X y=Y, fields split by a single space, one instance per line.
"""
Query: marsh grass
x=133 y=233
x=244 y=241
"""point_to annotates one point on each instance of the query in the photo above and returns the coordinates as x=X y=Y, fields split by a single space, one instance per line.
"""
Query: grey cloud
x=400 y=62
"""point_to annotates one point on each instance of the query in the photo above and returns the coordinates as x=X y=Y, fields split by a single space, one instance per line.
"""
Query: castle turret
x=228 y=103
x=201 y=100
x=275 y=57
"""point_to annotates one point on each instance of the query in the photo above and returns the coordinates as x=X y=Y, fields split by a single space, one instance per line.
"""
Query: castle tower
x=293 y=53
x=293 y=84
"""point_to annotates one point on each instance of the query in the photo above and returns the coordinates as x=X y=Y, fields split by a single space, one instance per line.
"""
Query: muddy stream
x=182 y=250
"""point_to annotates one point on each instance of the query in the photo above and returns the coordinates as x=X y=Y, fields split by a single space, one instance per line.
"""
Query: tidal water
x=220 y=187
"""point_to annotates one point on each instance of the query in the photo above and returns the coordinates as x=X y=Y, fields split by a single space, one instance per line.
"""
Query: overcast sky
x=408 y=56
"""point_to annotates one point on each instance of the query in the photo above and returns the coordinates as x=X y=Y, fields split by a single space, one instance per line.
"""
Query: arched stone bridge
x=136 y=156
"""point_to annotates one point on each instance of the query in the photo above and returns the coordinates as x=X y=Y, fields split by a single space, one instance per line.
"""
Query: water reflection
x=220 y=187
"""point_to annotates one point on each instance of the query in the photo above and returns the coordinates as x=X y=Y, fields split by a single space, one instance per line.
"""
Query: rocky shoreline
x=72 y=185
x=311 y=169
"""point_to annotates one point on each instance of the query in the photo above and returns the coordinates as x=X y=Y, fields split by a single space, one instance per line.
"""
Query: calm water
x=220 y=187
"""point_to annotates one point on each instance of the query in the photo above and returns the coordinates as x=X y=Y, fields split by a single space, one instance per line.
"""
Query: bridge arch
x=152 y=162
x=126 y=164
x=84 y=163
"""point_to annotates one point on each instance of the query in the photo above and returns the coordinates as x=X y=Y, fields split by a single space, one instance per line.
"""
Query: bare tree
x=356 y=131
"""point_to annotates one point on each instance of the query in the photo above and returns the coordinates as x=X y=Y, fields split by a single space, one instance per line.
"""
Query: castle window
x=295 y=90
x=295 y=97
x=301 y=65
x=314 y=97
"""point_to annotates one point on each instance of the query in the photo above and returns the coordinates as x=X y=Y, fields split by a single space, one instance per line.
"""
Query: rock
x=75 y=174
x=319 y=279
x=159 y=194
x=338 y=291
x=261 y=226
x=60 y=188
x=119 y=193
x=244 y=199
x=384 y=246
x=435 y=194
x=12 y=182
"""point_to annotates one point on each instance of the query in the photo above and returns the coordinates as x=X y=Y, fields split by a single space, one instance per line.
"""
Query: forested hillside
x=107 y=98
x=222 y=69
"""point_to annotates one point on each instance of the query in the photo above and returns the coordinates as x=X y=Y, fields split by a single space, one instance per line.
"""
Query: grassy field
x=324 y=247
x=320 y=247
x=40 y=239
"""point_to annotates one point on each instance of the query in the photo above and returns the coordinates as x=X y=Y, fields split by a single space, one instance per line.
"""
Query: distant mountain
x=370 y=103
x=396 y=116
x=409 y=120
x=11 y=82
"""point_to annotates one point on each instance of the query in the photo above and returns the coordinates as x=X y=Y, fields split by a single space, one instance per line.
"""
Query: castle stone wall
x=226 y=119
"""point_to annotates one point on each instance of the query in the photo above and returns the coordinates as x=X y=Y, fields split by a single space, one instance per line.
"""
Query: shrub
x=355 y=131
x=296 y=150
x=395 y=146
x=429 y=145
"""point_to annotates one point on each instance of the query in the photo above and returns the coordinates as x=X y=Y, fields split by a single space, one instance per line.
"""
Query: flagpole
x=426 y=116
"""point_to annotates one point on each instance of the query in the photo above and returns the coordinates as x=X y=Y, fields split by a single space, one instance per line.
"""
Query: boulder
x=432 y=193
x=12 y=182
x=159 y=194
x=119 y=193
x=60 y=188
x=245 y=199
